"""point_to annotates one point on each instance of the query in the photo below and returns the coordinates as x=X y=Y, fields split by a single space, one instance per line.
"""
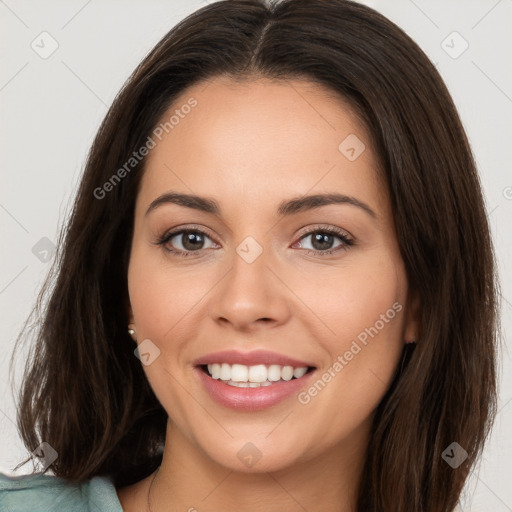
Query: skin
x=250 y=146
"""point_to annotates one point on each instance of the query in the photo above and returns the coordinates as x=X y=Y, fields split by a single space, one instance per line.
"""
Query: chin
x=243 y=455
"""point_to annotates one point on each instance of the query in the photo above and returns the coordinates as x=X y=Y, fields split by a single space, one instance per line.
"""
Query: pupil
x=324 y=241
x=189 y=239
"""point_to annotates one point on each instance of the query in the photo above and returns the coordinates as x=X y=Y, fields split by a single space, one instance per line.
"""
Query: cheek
x=162 y=295
x=364 y=310
x=162 y=300
x=351 y=299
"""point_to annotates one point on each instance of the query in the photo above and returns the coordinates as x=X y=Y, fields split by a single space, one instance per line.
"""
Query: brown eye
x=185 y=241
x=190 y=240
x=323 y=240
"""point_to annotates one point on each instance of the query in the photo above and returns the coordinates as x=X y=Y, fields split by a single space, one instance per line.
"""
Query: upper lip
x=250 y=358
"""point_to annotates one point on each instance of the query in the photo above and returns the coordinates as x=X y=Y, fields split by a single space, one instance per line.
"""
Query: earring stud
x=131 y=332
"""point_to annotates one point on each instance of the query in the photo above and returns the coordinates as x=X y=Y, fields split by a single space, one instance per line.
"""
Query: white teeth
x=274 y=372
x=239 y=373
x=299 y=372
x=238 y=384
x=287 y=373
x=248 y=384
x=254 y=376
x=257 y=373
x=225 y=372
x=215 y=371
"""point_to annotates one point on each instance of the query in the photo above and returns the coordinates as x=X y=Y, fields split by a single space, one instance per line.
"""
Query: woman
x=276 y=290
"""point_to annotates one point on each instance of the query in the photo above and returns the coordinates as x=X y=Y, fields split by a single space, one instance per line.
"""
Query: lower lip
x=252 y=399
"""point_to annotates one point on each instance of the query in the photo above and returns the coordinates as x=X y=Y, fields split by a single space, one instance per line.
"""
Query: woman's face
x=272 y=279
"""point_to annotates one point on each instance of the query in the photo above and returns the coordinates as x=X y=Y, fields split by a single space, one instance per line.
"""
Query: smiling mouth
x=242 y=376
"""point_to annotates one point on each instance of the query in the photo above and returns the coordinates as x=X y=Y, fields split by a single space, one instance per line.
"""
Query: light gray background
x=52 y=107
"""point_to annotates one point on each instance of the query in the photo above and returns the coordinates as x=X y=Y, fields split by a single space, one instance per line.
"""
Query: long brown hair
x=86 y=394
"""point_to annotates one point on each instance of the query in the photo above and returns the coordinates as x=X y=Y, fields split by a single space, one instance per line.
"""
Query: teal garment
x=47 y=493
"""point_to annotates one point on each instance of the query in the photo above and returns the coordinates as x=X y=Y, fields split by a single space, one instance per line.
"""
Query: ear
x=412 y=317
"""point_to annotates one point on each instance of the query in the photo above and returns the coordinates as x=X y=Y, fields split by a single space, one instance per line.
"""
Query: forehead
x=255 y=142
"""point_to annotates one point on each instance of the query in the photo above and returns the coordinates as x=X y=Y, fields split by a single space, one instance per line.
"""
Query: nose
x=251 y=295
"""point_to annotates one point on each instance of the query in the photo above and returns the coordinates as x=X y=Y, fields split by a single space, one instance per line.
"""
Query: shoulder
x=38 y=492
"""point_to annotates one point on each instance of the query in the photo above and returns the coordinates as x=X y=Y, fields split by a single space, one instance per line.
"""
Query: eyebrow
x=286 y=208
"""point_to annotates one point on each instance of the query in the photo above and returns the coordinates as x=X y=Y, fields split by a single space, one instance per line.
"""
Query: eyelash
x=347 y=242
